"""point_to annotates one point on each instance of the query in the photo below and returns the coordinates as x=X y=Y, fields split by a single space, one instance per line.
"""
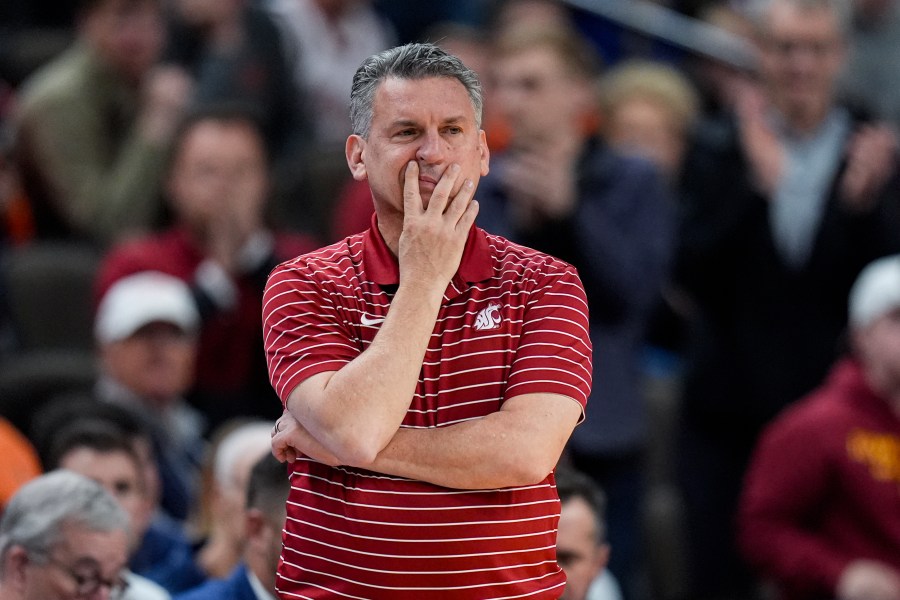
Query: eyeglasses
x=88 y=580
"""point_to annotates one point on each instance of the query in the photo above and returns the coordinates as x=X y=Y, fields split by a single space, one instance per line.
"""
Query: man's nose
x=433 y=148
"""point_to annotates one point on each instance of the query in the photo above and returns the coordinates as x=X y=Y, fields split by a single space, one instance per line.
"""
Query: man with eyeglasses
x=63 y=537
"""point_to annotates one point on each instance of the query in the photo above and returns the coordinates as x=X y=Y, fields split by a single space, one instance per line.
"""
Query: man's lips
x=427 y=184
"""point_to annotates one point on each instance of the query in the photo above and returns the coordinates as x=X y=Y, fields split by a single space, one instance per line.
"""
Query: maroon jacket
x=231 y=373
x=823 y=488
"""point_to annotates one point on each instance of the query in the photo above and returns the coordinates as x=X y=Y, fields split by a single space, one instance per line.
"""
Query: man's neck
x=804 y=121
x=390 y=225
x=884 y=387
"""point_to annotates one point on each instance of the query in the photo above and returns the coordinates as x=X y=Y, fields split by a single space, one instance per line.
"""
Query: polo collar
x=381 y=265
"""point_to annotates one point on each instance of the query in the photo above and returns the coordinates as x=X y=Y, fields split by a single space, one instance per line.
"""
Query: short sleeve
x=303 y=333
x=554 y=354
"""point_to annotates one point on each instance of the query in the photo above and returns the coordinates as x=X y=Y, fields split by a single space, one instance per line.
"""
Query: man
x=97 y=450
x=558 y=188
x=581 y=547
x=819 y=507
x=62 y=536
x=431 y=372
x=231 y=459
x=218 y=185
x=783 y=206
x=146 y=332
x=96 y=122
x=264 y=514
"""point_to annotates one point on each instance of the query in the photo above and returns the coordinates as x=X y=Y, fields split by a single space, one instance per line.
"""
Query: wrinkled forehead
x=445 y=98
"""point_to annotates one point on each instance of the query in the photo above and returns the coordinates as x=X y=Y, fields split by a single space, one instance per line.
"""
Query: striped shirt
x=513 y=321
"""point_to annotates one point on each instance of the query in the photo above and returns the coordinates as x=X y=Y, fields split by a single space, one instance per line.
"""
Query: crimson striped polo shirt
x=513 y=321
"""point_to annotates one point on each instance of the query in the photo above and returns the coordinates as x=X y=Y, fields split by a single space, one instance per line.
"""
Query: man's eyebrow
x=455 y=120
x=404 y=123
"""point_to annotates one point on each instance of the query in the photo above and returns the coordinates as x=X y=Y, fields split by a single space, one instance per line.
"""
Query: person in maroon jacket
x=218 y=186
x=820 y=509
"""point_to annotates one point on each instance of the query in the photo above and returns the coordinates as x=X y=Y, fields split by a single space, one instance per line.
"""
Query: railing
x=667 y=25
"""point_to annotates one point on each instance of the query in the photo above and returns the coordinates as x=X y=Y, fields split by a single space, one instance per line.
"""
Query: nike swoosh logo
x=368 y=321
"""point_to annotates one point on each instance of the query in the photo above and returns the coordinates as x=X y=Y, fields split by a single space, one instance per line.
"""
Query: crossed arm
x=517 y=445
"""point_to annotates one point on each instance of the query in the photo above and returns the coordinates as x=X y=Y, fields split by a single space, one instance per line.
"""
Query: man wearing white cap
x=146 y=332
x=820 y=510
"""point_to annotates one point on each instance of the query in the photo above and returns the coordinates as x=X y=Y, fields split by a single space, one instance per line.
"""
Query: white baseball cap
x=876 y=291
x=143 y=298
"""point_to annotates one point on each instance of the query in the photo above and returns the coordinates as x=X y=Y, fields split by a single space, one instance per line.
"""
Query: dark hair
x=66 y=410
x=572 y=484
x=232 y=113
x=412 y=61
x=268 y=485
x=95 y=434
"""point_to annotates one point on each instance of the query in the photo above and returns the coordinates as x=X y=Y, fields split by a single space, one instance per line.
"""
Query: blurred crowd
x=159 y=157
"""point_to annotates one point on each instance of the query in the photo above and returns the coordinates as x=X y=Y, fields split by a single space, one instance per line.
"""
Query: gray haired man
x=63 y=537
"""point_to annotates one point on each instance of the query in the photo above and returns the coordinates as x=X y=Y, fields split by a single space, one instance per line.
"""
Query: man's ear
x=485 y=153
x=14 y=568
x=356 y=157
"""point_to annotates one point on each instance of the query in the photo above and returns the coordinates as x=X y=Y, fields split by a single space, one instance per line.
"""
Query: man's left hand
x=290 y=441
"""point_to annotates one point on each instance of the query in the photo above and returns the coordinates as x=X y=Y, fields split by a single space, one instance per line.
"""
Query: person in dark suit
x=254 y=577
x=784 y=203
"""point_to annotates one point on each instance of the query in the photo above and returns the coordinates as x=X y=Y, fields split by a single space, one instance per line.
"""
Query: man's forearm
x=520 y=446
x=361 y=406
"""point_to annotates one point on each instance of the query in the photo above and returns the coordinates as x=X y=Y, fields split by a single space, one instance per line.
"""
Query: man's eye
x=122 y=488
x=454 y=130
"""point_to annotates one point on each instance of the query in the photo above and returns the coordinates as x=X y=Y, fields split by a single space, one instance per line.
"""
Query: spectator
x=581 y=547
x=649 y=110
x=262 y=522
x=330 y=38
x=562 y=191
x=62 y=536
x=108 y=436
x=218 y=185
x=95 y=124
x=98 y=451
x=783 y=205
x=146 y=334
x=819 y=508
x=234 y=456
x=235 y=54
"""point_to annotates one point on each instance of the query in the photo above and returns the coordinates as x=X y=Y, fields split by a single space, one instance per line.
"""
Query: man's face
x=878 y=346
x=83 y=554
x=156 y=362
x=128 y=34
x=646 y=128
x=430 y=121
x=537 y=95
x=120 y=474
x=220 y=177
x=577 y=549
x=803 y=52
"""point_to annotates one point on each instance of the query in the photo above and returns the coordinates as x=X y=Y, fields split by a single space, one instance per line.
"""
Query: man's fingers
x=468 y=217
x=440 y=197
x=461 y=201
x=412 y=199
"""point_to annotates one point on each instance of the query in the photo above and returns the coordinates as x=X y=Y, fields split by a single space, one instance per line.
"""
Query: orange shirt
x=18 y=461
